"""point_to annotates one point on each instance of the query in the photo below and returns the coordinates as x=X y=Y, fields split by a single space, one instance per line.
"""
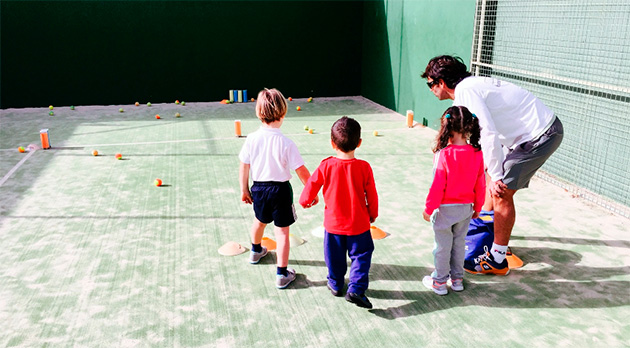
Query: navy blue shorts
x=273 y=201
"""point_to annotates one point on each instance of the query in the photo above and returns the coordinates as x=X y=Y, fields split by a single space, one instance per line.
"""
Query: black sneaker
x=359 y=300
x=334 y=292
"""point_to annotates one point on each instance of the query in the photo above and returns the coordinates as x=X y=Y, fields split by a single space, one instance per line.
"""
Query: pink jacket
x=458 y=178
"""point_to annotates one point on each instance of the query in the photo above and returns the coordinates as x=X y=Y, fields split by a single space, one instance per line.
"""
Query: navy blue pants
x=359 y=248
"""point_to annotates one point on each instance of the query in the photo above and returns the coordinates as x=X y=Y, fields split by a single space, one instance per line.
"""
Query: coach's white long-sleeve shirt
x=508 y=115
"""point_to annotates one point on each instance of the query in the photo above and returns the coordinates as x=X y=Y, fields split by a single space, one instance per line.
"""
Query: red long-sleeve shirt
x=349 y=194
x=458 y=178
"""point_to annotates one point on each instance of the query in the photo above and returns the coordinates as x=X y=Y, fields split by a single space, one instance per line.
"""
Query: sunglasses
x=432 y=83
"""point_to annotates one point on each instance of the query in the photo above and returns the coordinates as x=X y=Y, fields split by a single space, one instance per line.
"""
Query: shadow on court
x=562 y=283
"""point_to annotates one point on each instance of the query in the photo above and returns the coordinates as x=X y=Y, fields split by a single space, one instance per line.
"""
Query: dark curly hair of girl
x=458 y=119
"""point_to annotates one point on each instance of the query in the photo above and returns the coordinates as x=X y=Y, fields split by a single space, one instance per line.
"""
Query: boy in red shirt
x=351 y=205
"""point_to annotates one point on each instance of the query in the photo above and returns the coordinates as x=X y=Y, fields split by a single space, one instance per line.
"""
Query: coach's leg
x=504 y=218
x=488 y=204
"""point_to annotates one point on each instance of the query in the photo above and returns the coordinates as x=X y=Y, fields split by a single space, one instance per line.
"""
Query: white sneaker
x=438 y=288
x=284 y=281
x=457 y=284
x=255 y=257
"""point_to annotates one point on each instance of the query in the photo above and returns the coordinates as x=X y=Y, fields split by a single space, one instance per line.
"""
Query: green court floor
x=94 y=255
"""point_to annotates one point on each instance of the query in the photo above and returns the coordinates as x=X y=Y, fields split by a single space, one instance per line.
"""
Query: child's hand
x=314 y=202
x=426 y=216
x=246 y=197
x=475 y=215
x=372 y=220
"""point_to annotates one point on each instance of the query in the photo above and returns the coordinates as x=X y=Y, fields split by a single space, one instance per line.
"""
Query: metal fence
x=575 y=56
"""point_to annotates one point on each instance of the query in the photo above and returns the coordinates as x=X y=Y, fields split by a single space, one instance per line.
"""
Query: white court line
x=173 y=141
x=151 y=142
x=66 y=146
x=16 y=167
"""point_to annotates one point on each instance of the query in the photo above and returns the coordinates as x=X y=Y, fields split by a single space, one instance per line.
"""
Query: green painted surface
x=94 y=255
x=400 y=37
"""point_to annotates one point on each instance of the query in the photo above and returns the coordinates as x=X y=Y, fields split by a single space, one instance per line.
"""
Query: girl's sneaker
x=438 y=288
x=457 y=284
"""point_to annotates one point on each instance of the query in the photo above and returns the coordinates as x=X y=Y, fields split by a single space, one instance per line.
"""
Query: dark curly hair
x=449 y=69
x=457 y=119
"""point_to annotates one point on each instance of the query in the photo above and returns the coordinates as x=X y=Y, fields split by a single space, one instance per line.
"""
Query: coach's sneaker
x=438 y=288
x=485 y=264
x=457 y=284
x=255 y=257
x=282 y=281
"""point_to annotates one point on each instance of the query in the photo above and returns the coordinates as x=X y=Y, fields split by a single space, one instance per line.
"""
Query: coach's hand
x=497 y=188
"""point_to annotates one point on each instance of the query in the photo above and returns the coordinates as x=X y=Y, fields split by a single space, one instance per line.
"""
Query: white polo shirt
x=508 y=115
x=271 y=155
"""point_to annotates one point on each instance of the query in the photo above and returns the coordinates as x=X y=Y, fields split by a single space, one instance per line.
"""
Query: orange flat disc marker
x=513 y=260
x=377 y=233
x=269 y=243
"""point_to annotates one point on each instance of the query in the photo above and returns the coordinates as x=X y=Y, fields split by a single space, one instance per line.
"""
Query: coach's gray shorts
x=524 y=160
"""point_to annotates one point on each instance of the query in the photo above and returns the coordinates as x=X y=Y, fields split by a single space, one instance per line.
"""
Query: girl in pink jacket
x=456 y=195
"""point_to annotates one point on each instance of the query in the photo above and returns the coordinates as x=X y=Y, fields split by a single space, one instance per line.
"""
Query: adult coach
x=518 y=134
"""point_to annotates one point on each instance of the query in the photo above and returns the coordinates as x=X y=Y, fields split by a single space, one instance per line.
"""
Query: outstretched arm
x=304 y=175
x=243 y=175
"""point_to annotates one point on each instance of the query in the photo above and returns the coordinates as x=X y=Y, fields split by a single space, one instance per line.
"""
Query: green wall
x=120 y=52
x=399 y=38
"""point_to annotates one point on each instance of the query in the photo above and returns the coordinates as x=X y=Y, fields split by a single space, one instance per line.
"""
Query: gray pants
x=450 y=225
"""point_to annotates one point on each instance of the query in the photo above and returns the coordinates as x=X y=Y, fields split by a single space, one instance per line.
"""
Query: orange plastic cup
x=409 y=118
x=237 y=127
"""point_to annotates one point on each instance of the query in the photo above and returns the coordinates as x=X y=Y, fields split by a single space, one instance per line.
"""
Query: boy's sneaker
x=358 y=299
x=283 y=281
x=334 y=292
x=255 y=257
x=457 y=284
x=438 y=288
x=485 y=264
